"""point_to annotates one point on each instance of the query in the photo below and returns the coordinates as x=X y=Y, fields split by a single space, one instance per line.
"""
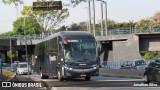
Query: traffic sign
x=50 y=5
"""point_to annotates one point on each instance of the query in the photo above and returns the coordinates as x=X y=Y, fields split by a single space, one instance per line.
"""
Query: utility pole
x=26 y=42
x=89 y=16
x=93 y=2
x=101 y=18
x=11 y=51
x=25 y=37
x=106 y=18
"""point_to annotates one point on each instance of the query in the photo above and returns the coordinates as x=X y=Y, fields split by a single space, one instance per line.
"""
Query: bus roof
x=67 y=33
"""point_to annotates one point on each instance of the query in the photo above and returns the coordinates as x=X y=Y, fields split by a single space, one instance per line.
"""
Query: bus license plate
x=83 y=75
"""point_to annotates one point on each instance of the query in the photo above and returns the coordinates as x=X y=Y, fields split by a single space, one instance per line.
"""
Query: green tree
x=75 y=27
x=12 y=1
x=10 y=33
x=151 y=54
x=111 y=24
x=156 y=19
x=76 y=2
x=83 y=26
x=144 y=23
x=50 y=19
x=47 y=20
x=32 y=27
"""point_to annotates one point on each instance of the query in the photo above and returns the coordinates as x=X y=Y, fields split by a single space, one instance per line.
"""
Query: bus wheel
x=87 y=78
x=42 y=76
x=46 y=77
x=146 y=78
x=59 y=75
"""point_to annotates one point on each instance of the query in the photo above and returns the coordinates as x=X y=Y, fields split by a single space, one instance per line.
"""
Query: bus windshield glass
x=82 y=50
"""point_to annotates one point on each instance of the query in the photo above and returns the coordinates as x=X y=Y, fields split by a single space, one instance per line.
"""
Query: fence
x=112 y=64
x=121 y=31
x=28 y=37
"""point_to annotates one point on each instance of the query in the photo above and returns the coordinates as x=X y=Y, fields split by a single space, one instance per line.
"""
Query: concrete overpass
x=129 y=46
x=18 y=47
x=115 y=47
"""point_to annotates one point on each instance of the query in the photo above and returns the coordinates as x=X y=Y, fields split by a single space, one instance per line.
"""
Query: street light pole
x=89 y=16
x=26 y=39
x=26 y=43
x=11 y=52
x=101 y=18
x=106 y=18
x=93 y=2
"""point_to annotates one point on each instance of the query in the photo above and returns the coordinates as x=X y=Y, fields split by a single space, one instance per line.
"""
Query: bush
x=151 y=54
x=7 y=74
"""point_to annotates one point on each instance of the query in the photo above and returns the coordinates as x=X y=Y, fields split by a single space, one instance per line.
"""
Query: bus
x=67 y=54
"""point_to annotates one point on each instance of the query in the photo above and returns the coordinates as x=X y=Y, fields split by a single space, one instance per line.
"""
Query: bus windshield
x=82 y=50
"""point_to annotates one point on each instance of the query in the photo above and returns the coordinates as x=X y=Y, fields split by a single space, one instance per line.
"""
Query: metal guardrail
x=119 y=31
x=122 y=73
x=112 y=64
x=28 y=37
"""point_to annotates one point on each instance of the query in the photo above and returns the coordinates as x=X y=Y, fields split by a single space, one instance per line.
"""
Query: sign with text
x=50 y=5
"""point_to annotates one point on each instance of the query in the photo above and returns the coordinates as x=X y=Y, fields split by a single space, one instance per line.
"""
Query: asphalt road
x=96 y=83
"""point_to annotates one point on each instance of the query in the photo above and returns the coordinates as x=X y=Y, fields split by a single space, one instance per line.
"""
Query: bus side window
x=52 y=57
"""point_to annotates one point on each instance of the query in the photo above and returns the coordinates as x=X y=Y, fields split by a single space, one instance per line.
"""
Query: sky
x=117 y=10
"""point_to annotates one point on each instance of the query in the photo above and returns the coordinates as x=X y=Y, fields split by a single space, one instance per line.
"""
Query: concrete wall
x=126 y=50
x=29 y=42
x=112 y=37
x=6 y=42
x=150 y=44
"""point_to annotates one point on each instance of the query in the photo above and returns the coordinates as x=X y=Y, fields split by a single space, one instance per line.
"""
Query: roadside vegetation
x=7 y=74
x=151 y=54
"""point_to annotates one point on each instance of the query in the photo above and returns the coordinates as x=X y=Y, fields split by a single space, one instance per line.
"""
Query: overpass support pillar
x=20 y=55
x=5 y=56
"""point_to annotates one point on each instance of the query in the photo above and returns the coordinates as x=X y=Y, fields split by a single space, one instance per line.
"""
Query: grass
x=7 y=74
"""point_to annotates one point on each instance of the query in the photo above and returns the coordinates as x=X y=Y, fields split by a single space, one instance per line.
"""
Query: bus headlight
x=95 y=66
x=68 y=68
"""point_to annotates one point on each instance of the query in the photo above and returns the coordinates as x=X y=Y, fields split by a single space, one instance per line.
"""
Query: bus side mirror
x=99 y=46
x=61 y=46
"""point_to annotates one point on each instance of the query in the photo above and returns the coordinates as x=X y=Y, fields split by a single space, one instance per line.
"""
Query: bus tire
x=42 y=76
x=59 y=76
x=146 y=78
x=55 y=77
x=46 y=77
x=87 y=78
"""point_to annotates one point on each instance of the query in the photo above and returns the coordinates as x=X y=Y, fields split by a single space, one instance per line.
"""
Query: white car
x=23 y=68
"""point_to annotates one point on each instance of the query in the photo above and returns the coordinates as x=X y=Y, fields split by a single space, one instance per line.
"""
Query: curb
x=13 y=78
x=121 y=73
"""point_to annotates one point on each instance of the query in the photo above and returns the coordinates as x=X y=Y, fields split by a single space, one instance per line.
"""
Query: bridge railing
x=28 y=37
x=121 y=31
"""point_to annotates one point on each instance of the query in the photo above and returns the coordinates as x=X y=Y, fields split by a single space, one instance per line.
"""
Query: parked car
x=23 y=67
x=134 y=64
x=152 y=70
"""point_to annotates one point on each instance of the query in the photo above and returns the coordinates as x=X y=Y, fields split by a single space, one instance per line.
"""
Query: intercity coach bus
x=67 y=54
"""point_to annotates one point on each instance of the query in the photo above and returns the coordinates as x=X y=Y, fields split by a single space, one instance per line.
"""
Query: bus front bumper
x=81 y=72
